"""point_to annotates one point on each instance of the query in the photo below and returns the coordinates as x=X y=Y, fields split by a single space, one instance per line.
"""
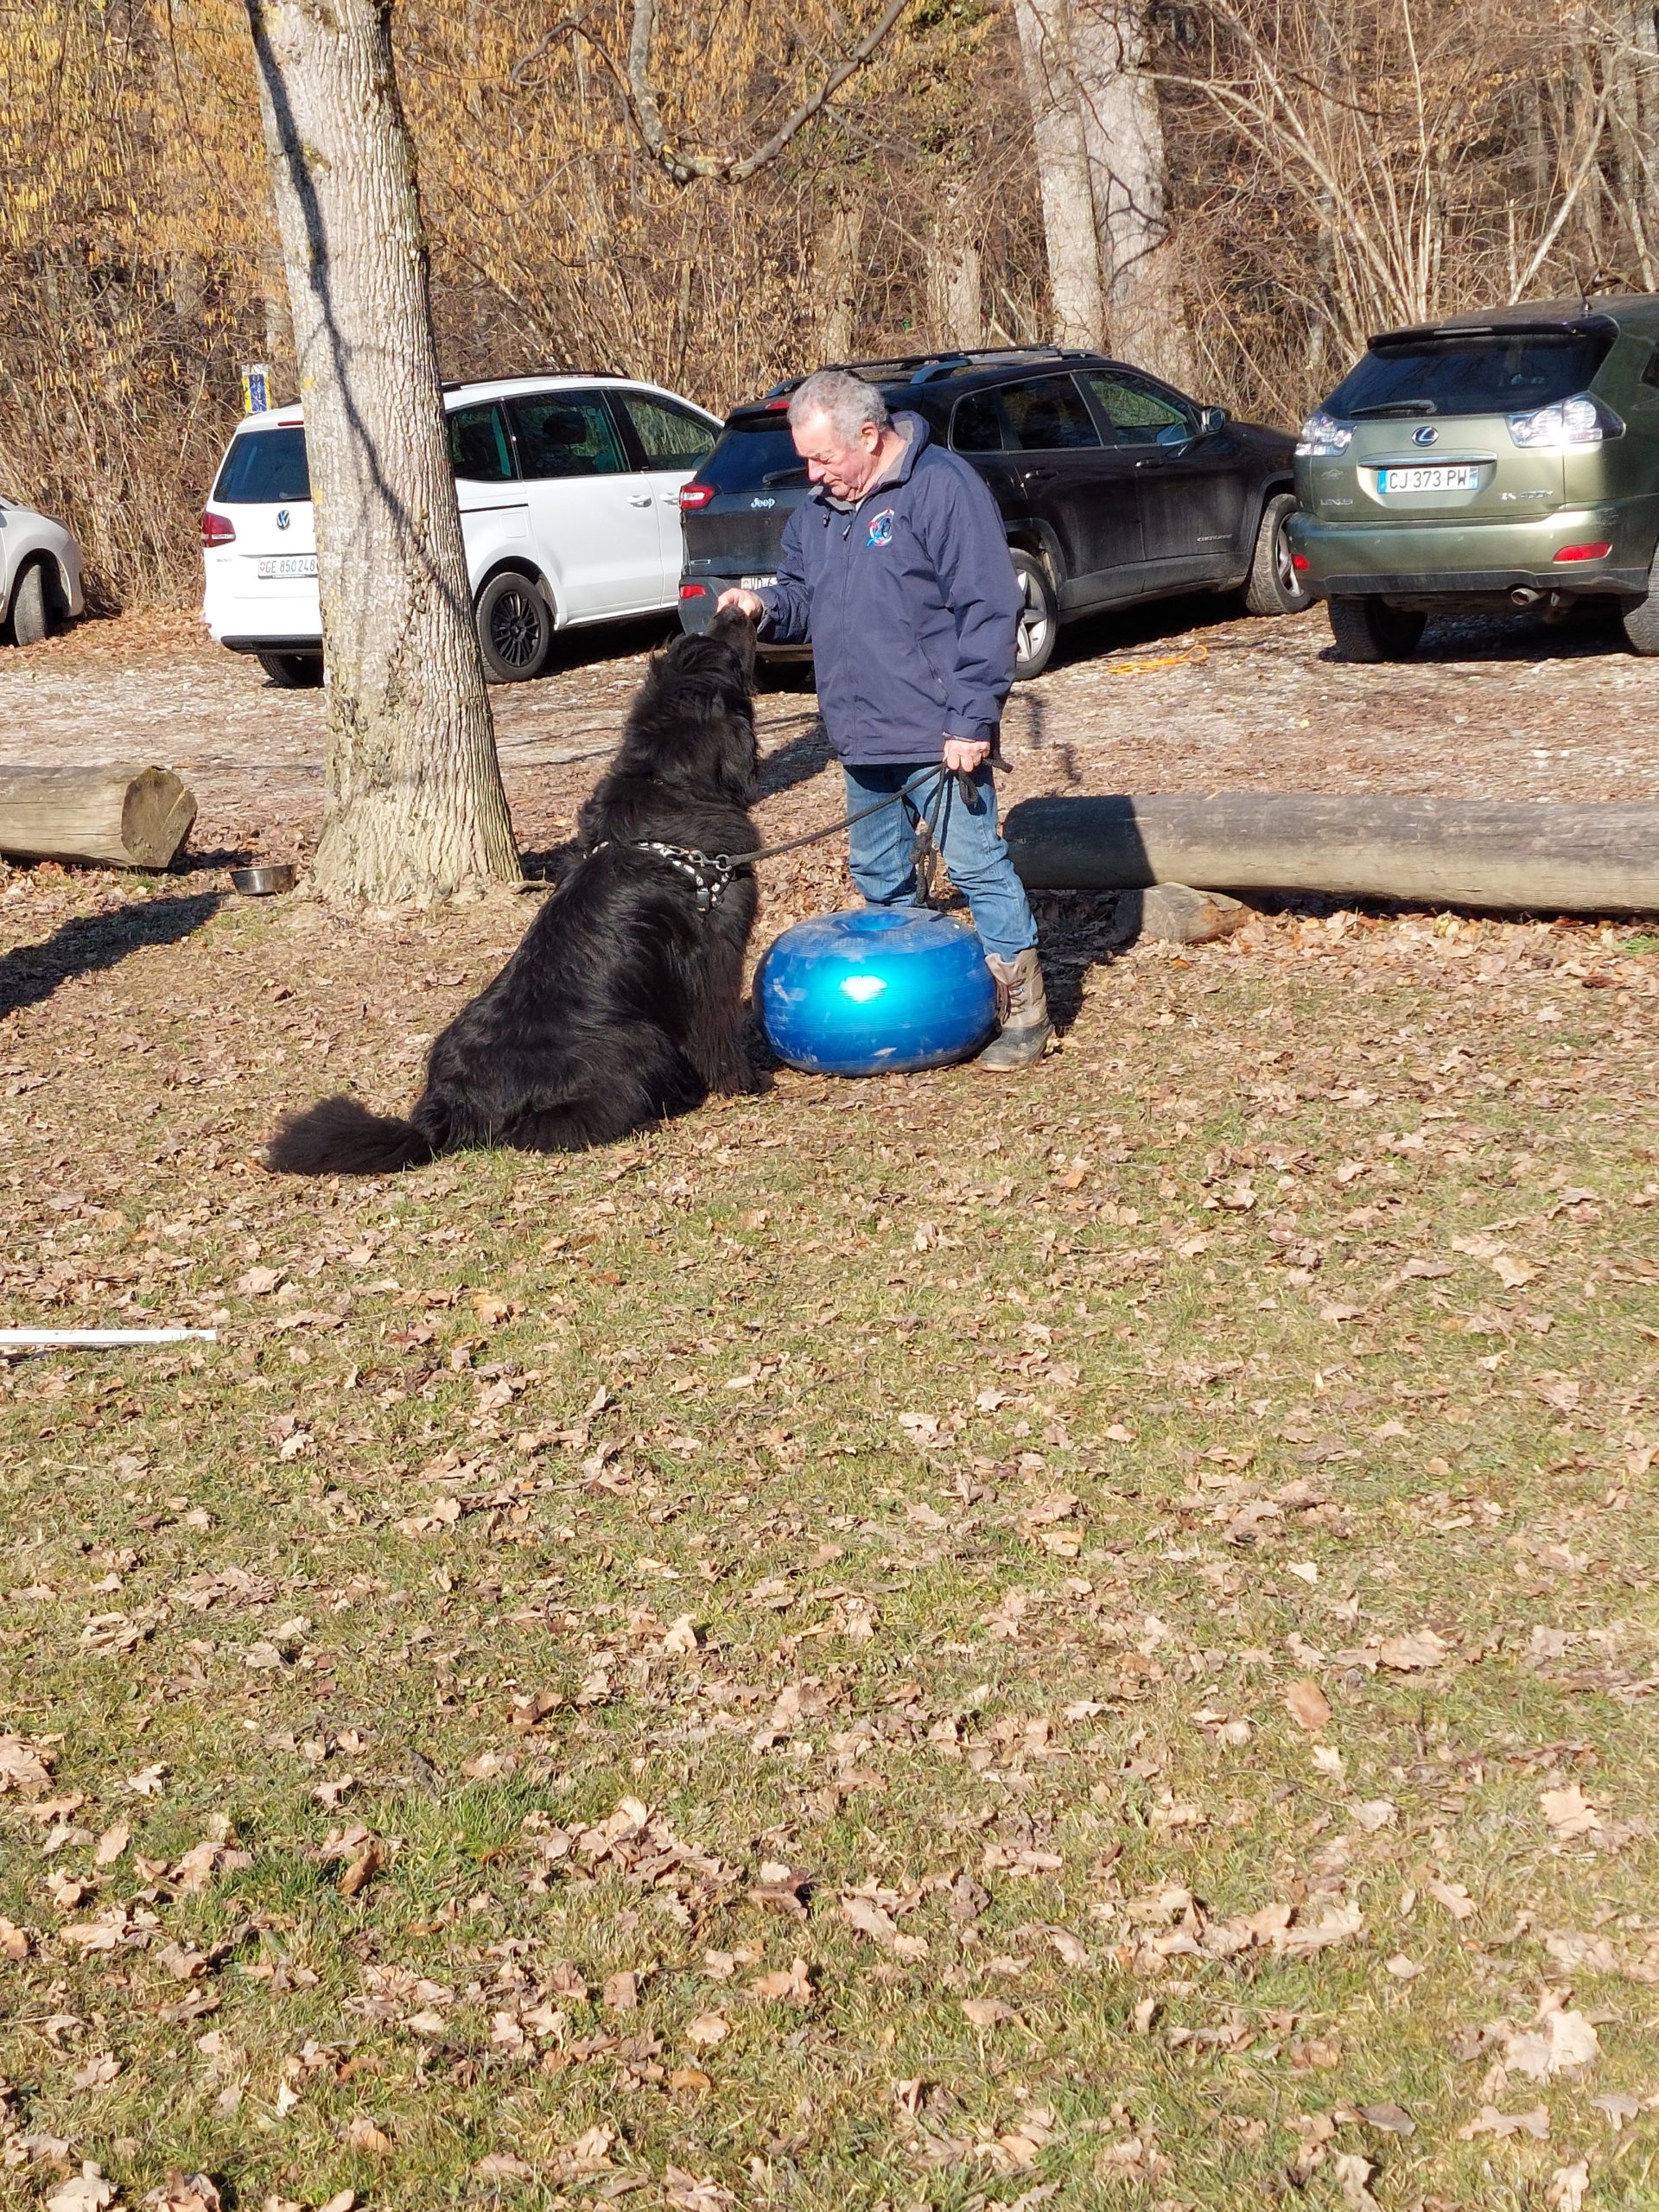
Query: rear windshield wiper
x=1396 y=407
x=785 y=476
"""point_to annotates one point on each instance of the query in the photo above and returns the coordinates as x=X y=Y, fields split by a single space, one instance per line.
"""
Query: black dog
x=621 y=1006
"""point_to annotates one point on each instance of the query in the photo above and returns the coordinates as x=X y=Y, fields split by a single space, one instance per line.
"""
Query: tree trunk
x=834 y=280
x=1123 y=132
x=1074 y=284
x=278 y=316
x=956 y=309
x=1633 y=108
x=413 y=802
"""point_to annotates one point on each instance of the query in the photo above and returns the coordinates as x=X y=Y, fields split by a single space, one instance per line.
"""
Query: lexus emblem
x=284 y=517
x=1427 y=436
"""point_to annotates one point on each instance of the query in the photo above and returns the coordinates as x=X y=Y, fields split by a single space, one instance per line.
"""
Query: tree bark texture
x=834 y=280
x=414 y=807
x=955 y=303
x=1599 y=859
x=1123 y=132
x=278 y=317
x=1633 y=114
x=1075 y=294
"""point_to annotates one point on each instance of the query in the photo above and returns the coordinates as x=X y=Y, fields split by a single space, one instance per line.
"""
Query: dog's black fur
x=622 y=1005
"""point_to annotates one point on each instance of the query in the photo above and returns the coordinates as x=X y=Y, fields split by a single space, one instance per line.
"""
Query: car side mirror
x=1211 y=418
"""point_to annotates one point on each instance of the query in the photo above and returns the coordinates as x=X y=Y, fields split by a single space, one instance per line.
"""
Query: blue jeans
x=881 y=850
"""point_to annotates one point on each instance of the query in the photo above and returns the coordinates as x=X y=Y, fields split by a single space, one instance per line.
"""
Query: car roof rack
x=921 y=368
x=524 y=376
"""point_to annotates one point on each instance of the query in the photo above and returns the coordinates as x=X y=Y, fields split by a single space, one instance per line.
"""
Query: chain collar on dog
x=712 y=872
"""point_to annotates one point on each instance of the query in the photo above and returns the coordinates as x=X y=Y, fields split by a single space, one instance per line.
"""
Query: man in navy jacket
x=897 y=571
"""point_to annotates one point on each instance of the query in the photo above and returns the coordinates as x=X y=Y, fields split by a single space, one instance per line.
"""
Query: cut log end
x=108 y=816
x=156 y=816
x=1174 y=914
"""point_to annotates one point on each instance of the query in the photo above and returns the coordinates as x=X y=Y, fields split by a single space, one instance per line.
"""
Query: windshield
x=264 y=467
x=753 y=455
x=1502 y=374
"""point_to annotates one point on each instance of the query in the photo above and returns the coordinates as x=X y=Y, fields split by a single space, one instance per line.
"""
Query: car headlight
x=1322 y=434
x=1581 y=420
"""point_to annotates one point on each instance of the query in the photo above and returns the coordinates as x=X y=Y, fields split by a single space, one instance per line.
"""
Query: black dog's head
x=693 y=723
x=732 y=627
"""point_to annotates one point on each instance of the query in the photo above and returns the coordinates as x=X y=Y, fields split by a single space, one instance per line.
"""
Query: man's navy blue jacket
x=911 y=605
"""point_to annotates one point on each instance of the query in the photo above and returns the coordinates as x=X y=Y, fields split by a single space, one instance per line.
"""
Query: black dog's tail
x=339 y=1136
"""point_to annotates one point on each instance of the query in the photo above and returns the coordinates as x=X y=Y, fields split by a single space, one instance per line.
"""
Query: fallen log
x=112 y=816
x=1505 y=855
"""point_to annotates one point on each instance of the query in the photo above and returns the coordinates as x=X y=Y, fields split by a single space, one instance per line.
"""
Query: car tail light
x=1582 y=421
x=776 y=406
x=694 y=591
x=217 y=529
x=1322 y=434
x=1585 y=552
x=695 y=496
x=1298 y=561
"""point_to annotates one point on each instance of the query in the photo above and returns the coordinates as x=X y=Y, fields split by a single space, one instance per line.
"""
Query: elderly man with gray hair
x=897 y=571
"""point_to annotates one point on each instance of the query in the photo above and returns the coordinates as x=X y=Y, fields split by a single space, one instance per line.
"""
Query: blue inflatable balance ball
x=882 y=991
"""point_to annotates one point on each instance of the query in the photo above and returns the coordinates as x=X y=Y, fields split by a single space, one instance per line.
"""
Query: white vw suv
x=570 y=508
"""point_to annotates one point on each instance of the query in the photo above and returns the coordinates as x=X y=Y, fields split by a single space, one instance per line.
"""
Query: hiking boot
x=1022 y=1011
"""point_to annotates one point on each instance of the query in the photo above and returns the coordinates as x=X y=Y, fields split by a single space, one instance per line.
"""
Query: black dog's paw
x=758 y=1063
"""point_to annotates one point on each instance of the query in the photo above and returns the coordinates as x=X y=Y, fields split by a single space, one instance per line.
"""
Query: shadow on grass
x=30 y=973
x=1079 y=931
x=797 y=760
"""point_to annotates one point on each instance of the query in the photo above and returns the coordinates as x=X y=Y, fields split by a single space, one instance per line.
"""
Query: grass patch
x=758 y=1667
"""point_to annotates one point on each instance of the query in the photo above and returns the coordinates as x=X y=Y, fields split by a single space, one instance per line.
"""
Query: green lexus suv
x=1507 y=459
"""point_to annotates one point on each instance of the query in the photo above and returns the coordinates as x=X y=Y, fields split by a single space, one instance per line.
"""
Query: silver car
x=40 y=575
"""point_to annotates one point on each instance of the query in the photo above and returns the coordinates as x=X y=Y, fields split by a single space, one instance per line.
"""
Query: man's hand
x=746 y=602
x=960 y=752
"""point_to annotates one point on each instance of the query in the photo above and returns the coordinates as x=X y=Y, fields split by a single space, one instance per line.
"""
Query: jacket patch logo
x=881 y=529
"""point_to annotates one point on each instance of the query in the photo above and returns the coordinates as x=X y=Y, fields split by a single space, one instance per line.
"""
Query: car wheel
x=31 y=613
x=1641 y=617
x=1273 y=586
x=1364 y=629
x=515 y=628
x=292 y=672
x=1039 y=619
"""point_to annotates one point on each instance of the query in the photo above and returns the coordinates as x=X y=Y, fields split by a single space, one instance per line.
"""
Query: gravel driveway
x=1486 y=711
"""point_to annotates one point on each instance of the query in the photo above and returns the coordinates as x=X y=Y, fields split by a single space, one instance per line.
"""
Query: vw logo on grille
x=284 y=517
x=1425 y=436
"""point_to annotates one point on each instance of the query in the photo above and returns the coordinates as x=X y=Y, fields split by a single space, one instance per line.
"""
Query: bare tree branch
x=732 y=169
x=639 y=95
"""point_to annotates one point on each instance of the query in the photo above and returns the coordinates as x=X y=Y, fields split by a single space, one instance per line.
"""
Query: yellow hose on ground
x=1165 y=660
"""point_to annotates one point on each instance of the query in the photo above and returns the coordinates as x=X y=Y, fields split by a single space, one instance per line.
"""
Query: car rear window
x=671 y=436
x=264 y=467
x=1502 y=374
x=753 y=455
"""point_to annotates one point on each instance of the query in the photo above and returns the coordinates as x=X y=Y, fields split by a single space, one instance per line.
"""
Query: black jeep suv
x=1113 y=488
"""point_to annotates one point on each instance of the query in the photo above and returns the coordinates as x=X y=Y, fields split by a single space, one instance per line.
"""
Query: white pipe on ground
x=93 y=1339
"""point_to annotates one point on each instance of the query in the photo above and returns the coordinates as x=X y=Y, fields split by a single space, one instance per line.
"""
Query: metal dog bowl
x=265 y=881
